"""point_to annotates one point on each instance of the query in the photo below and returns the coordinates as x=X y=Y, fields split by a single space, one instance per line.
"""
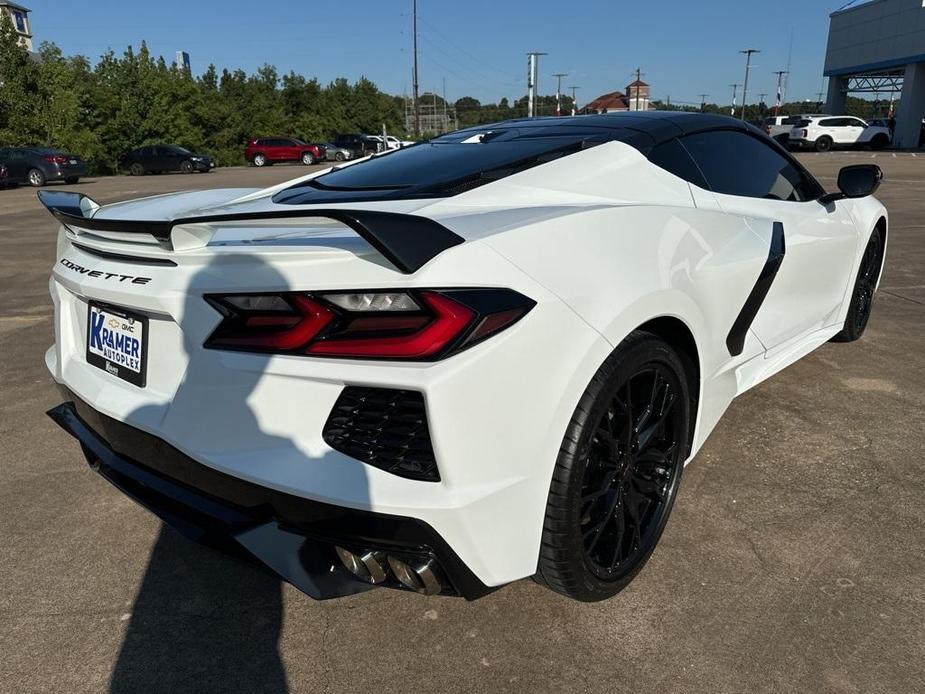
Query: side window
x=734 y=163
x=831 y=122
x=672 y=157
x=856 y=122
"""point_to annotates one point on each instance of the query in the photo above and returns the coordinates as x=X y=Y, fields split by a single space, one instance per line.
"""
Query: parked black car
x=160 y=158
x=38 y=165
x=359 y=145
x=4 y=177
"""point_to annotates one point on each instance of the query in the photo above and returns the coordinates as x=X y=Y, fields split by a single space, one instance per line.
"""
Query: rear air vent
x=384 y=428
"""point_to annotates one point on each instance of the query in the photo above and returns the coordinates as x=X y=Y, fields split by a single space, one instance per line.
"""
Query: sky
x=684 y=48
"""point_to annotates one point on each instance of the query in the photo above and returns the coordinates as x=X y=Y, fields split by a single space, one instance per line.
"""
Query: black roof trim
x=661 y=126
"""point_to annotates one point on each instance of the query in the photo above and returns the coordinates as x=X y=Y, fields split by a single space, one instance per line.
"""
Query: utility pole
x=559 y=76
x=780 y=95
x=703 y=102
x=668 y=103
x=819 y=99
x=533 y=63
x=446 y=123
x=733 y=111
x=575 y=101
x=414 y=98
x=748 y=64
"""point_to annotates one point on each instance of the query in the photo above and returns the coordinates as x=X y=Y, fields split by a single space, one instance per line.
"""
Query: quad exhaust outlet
x=420 y=574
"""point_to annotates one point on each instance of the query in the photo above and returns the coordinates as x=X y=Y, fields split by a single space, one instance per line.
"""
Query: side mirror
x=856 y=181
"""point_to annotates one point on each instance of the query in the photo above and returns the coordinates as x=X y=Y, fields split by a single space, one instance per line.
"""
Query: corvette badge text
x=115 y=339
x=119 y=277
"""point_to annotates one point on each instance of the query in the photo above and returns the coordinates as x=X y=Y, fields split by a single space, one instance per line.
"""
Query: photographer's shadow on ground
x=203 y=620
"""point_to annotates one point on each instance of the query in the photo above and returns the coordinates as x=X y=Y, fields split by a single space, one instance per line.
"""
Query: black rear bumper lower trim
x=291 y=535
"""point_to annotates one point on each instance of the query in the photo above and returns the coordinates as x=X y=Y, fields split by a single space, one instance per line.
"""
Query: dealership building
x=878 y=47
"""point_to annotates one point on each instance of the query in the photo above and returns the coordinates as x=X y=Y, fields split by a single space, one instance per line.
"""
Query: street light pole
x=780 y=78
x=733 y=111
x=532 y=76
x=559 y=76
x=748 y=64
x=574 y=101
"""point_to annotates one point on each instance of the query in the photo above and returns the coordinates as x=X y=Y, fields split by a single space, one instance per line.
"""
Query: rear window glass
x=452 y=163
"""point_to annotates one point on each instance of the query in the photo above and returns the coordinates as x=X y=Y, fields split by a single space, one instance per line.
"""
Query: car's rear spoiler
x=406 y=241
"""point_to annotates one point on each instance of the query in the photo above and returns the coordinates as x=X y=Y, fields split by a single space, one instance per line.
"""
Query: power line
x=450 y=42
x=478 y=73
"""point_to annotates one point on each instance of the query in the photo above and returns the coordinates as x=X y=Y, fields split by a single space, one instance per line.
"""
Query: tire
x=586 y=553
x=824 y=144
x=862 y=295
x=308 y=158
x=879 y=142
x=72 y=179
x=137 y=169
x=783 y=140
x=260 y=159
x=36 y=178
x=186 y=166
x=338 y=156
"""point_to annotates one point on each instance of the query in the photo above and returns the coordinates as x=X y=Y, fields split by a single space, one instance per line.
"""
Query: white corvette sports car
x=458 y=364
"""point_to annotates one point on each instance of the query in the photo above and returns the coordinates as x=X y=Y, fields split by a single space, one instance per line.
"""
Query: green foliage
x=135 y=99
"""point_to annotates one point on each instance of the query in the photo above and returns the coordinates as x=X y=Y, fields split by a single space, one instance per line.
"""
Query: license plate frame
x=128 y=319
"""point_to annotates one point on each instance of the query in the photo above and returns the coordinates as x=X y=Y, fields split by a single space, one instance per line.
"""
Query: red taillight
x=418 y=325
x=54 y=159
x=449 y=320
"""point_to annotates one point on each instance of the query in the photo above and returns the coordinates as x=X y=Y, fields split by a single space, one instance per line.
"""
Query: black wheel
x=879 y=142
x=72 y=179
x=36 y=178
x=186 y=166
x=338 y=156
x=862 y=297
x=260 y=159
x=824 y=144
x=308 y=158
x=618 y=471
x=137 y=169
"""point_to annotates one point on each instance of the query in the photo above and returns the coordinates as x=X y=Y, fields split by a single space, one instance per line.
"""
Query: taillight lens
x=420 y=324
x=56 y=159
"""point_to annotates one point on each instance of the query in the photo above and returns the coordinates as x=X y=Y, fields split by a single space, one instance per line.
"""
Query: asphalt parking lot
x=794 y=560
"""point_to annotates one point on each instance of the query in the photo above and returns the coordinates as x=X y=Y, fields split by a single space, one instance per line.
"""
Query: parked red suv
x=265 y=151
